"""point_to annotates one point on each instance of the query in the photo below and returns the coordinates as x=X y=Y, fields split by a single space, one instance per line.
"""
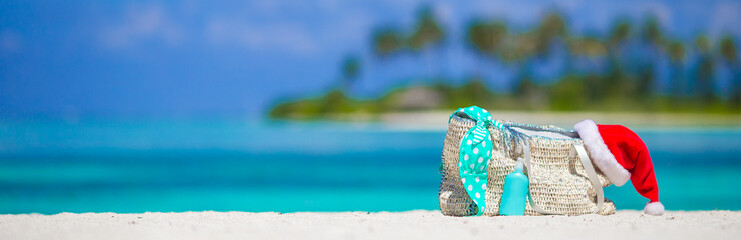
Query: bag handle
x=591 y=173
x=569 y=133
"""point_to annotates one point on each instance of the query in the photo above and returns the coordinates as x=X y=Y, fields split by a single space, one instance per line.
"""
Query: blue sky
x=61 y=58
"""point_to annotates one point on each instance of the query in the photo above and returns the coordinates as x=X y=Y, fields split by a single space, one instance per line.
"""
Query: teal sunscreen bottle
x=514 y=194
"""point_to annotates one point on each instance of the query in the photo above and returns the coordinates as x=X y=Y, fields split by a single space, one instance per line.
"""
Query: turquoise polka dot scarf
x=475 y=152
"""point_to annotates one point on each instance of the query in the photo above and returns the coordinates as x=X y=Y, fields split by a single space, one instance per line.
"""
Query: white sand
x=439 y=119
x=708 y=225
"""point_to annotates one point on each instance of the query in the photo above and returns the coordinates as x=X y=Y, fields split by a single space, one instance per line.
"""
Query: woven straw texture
x=558 y=180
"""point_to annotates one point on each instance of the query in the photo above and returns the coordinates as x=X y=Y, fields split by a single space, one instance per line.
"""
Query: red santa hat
x=621 y=155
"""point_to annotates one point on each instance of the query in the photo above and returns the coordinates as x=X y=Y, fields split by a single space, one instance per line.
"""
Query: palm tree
x=615 y=80
x=729 y=53
x=676 y=57
x=486 y=38
x=551 y=27
x=427 y=33
x=537 y=45
x=652 y=37
x=350 y=70
x=652 y=31
x=620 y=33
x=590 y=48
x=387 y=41
x=705 y=70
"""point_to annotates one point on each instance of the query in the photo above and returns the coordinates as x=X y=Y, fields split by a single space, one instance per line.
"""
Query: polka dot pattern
x=475 y=152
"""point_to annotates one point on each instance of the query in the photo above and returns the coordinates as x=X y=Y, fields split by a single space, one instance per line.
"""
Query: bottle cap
x=518 y=165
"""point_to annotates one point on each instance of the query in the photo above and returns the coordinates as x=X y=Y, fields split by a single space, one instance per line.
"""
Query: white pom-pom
x=654 y=208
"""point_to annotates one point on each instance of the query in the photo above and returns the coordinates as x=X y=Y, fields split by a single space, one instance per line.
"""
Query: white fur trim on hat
x=654 y=208
x=601 y=155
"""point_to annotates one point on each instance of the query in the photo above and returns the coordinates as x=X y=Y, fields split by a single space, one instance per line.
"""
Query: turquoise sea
x=130 y=165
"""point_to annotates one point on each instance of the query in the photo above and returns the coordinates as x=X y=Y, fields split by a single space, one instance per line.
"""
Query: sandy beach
x=419 y=224
x=439 y=119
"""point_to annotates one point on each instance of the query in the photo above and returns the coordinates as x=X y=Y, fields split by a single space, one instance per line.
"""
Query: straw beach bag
x=562 y=177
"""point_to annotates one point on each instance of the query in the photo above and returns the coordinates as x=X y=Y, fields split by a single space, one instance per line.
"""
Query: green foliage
x=474 y=92
x=676 y=51
x=387 y=41
x=587 y=46
x=551 y=26
x=332 y=103
x=350 y=69
x=620 y=33
x=652 y=32
x=427 y=31
x=702 y=43
x=624 y=83
x=569 y=94
x=705 y=70
x=486 y=37
x=728 y=49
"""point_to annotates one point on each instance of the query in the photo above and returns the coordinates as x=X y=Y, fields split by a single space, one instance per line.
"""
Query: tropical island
x=617 y=71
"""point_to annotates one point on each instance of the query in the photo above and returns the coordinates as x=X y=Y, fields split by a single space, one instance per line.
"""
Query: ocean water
x=129 y=166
